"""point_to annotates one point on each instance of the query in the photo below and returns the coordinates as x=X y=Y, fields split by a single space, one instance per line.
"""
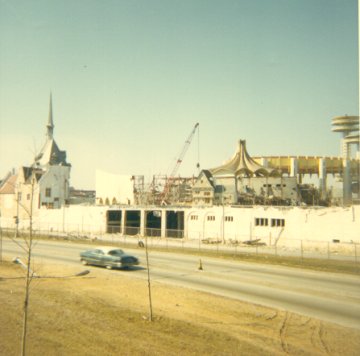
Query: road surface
x=326 y=296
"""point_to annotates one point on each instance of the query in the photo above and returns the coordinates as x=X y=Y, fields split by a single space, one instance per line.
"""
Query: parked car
x=108 y=257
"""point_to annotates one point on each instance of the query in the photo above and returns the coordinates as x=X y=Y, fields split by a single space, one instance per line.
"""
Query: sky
x=131 y=78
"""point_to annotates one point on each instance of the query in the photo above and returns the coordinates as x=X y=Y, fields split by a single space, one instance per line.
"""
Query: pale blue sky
x=131 y=78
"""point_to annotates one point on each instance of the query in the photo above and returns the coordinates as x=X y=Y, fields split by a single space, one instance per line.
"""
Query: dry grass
x=106 y=314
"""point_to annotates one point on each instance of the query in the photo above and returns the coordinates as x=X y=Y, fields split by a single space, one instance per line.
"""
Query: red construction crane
x=170 y=179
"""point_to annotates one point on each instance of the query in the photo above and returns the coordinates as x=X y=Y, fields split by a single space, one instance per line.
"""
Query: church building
x=43 y=184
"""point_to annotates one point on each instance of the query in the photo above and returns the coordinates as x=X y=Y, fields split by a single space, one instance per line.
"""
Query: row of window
x=20 y=196
x=273 y=222
x=261 y=221
x=212 y=218
x=258 y=221
x=47 y=194
x=207 y=193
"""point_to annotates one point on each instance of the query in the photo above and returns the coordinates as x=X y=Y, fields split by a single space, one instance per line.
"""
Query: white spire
x=50 y=124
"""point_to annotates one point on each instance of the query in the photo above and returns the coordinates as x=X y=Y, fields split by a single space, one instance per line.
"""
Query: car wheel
x=108 y=267
x=84 y=262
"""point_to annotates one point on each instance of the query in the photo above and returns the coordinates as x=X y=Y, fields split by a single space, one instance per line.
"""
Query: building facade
x=42 y=184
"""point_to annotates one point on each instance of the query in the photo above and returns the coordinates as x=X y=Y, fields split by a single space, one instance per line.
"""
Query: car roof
x=106 y=249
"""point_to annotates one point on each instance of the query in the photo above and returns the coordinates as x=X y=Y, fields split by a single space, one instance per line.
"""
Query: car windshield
x=116 y=252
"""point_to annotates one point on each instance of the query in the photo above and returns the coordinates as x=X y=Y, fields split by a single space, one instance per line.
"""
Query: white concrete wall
x=114 y=186
x=73 y=219
x=318 y=224
x=313 y=224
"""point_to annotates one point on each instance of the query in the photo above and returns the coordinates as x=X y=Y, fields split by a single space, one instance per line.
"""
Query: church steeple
x=50 y=154
x=50 y=124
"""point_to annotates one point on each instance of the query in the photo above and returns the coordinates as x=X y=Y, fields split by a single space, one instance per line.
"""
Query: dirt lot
x=105 y=315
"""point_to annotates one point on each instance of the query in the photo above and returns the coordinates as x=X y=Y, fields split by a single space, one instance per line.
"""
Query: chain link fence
x=235 y=244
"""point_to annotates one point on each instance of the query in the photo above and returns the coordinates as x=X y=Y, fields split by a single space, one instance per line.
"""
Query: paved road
x=326 y=296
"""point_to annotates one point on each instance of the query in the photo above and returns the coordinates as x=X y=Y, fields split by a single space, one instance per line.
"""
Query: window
x=211 y=218
x=277 y=222
x=116 y=253
x=47 y=205
x=28 y=196
x=229 y=218
x=48 y=192
x=194 y=217
x=19 y=196
x=206 y=193
x=261 y=222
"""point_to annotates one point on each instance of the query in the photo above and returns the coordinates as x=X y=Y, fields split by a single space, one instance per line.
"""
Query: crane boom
x=183 y=152
x=178 y=163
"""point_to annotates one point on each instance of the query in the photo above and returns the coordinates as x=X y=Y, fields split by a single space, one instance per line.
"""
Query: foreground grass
x=65 y=320
x=107 y=314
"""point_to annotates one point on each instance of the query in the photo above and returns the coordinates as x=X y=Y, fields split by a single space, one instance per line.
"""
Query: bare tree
x=1 y=239
x=29 y=273
x=149 y=281
x=29 y=244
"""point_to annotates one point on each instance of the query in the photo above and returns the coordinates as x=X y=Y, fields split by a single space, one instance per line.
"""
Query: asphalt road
x=326 y=296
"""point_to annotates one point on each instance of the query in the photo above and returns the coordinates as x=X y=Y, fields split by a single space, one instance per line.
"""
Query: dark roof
x=29 y=171
x=51 y=154
x=208 y=176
